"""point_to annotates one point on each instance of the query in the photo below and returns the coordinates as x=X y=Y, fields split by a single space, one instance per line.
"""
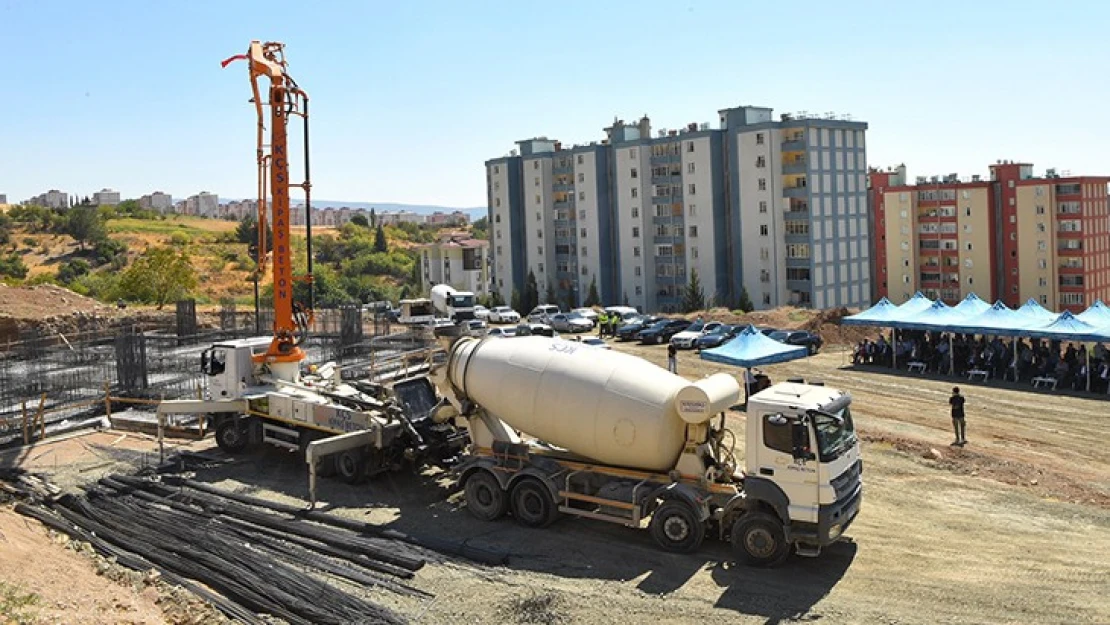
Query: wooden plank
x=612 y=503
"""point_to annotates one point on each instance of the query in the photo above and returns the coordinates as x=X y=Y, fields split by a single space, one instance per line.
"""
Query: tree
x=360 y=220
x=549 y=297
x=373 y=218
x=694 y=298
x=380 y=244
x=85 y=225
x=591 y=296
x=495 y=298
x=247 y=230
x=514 y=301
x=480 y=228
x=531 y=294
x=159 y=276
x=745 y=303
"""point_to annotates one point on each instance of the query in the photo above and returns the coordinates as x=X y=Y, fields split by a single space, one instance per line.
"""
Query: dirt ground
x=1011 y=529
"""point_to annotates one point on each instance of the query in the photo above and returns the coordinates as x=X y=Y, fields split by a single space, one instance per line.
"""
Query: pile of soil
x=825 y=323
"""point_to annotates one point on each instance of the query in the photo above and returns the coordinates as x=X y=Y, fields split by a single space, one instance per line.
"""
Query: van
x=542 y=313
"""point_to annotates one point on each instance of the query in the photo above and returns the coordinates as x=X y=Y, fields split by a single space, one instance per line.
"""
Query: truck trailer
x=558 y=428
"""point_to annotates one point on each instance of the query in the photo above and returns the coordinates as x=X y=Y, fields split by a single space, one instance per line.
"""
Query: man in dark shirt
x=958 y=422
x=672 y=358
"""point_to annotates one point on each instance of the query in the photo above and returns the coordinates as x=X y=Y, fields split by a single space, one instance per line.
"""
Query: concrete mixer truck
x=559 y=428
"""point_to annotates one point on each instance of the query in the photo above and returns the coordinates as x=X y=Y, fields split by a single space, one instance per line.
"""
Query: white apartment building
x=732 y=203
x=396 y=217
x=462 y=263
x=51 y=199
x=106 y=197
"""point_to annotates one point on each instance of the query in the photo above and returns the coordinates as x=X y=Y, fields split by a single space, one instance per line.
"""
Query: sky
x=410 y=98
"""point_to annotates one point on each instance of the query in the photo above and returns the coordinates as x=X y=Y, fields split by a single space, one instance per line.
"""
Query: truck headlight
x=835 y=531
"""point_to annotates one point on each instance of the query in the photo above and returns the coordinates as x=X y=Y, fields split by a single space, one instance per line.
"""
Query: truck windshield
x=462 y=301
x=834 y=436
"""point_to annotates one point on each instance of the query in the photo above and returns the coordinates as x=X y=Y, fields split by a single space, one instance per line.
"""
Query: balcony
x=672 y=178
x=556 y=168
x=797 y=166
x=798 y=285
x=666 y=199
x=667 y=239
x=800 y=191
x=563 y=187
x=666 y=159
x=794 y=143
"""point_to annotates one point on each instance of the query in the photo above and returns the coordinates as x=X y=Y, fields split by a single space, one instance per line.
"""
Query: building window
x=496 y=169
x=635 y=192
x=635 y=174
x=1011 y=199
x=1040 y=209
x=689 y=168
x=537 y=199
x=763 y=206
x=535 y=164
x=635 y=212
x=763 y=230
x=1042 y=263
x=497 y=219
x=760 y=161
x=759 y=138
x=967 y=211
x=581 y=214
x=582 y=195
x=636 y=252
x=581 y=177
x=637 y=272
x=692 y=209
x=539 y=234
x=583 y=250
x=693 y=231
x=539 y=250
x=583 y=231
x=689 y=146
x=632 y=152
x=1040 y=227
x=579 y=159
x=639 y=290
x=693 y=252
x=497 y=202
x=1042 y=282
x=693 y=189
x=1041 y=246
x=766 y=299
x=496 y=186
x=635 y=232
x=537 y=181
x=1011 y=186
x=762 y=184
x=969 y=247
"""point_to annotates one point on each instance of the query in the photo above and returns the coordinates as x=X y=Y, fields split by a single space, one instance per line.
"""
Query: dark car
x=661 y=331
x=535 y=329
x=628 y=331
x=802 y=338
x=718 y=337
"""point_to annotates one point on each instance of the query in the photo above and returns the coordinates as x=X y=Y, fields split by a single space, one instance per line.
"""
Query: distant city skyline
x=409 y=99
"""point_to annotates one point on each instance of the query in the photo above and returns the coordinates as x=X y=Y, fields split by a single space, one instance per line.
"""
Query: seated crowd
x=991 y=357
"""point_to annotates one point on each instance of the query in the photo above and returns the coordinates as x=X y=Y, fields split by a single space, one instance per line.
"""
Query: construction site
x=302 y=465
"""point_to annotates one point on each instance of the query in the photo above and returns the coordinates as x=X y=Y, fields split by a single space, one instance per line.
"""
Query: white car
x=503 y=314
x=506 y=333
x=588 y=313
x=543 y=313
x=570 y=322
x=481 y=312
x=688 y=337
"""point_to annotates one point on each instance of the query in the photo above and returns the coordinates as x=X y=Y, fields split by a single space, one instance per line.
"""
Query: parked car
x=596 y=342
x=534 y=329
x=628 y=331
x=502 y=332
x=626 y=313
x=570 y=322
x=476 y=327
x=802 y=338
x=543 y=313
x=588 y=313
x=481 y=312
x=721 y=335
x=686 y=338
x=503 y=314
x=661 y=331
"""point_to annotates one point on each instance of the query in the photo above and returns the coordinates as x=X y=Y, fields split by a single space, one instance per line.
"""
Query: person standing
x=959 y=423
x=601 y=320
x=672 y=359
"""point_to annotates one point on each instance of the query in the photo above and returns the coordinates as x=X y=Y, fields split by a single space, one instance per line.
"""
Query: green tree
x=480 y=228
x=247 y=230
x=531 y=294
x=159 y=276
x=12 y=266
x=745 y=303
x=495 y=299
x=373 y=218
x=591 y=296
x=380 y=244
x=360 y=220
x=5 y=229
x=549 y=297
x=85 y=225
x=694 y=299
x=73 y=270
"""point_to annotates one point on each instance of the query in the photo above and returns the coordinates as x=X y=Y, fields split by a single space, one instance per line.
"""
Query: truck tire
x=675 y=527
x=231 y=435
x=350 y=464
x=484 y=497
x=759 y=539
x=532 y=503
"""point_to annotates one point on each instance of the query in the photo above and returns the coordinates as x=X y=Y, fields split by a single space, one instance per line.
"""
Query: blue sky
x=409 y=98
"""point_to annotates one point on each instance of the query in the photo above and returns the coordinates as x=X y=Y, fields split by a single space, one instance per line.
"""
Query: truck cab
x=229 y=369
x=802 y=458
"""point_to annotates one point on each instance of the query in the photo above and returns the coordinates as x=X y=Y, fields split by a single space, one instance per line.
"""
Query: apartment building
x=731 y=203
x=462 y=263
x=106 y=197
x=156 y=201
x=1013 y=237
x=3 y=198
x=51 y=199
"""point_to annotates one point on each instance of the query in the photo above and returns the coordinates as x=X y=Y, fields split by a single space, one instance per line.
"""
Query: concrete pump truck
x=255 y=389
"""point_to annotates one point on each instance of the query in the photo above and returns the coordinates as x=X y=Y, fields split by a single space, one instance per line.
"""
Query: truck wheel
x=532 y=503
x=759 y=539
x=350 y=464
x=675 y=527
x=231 y=436
x=484 y=497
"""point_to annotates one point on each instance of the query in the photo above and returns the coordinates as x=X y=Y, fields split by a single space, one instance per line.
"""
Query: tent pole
x=1088 y=371
x=951 y=355
x=894 y=348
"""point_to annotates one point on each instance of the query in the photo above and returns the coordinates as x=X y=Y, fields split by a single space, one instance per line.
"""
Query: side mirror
x=799 y=435
x=204 y=361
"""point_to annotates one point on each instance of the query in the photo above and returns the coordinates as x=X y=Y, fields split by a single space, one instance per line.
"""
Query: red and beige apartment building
x=1011 y=237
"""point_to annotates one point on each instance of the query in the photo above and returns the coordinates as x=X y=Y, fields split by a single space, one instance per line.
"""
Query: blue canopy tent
x=999 y=319
x=1068 y=327
x=752 y=348
x=1035 y=313
x=971 y=305
x=1097 y=315
x=914 y=305
x=881 y=314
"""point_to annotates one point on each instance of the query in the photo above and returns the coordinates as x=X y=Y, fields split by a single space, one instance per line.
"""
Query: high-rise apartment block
x=106 y=197
x=157 y=201
x=1012 y=237
x=773 y=207
x=51 y=199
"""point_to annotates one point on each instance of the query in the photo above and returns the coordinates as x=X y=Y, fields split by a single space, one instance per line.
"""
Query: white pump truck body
x=559 y=428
